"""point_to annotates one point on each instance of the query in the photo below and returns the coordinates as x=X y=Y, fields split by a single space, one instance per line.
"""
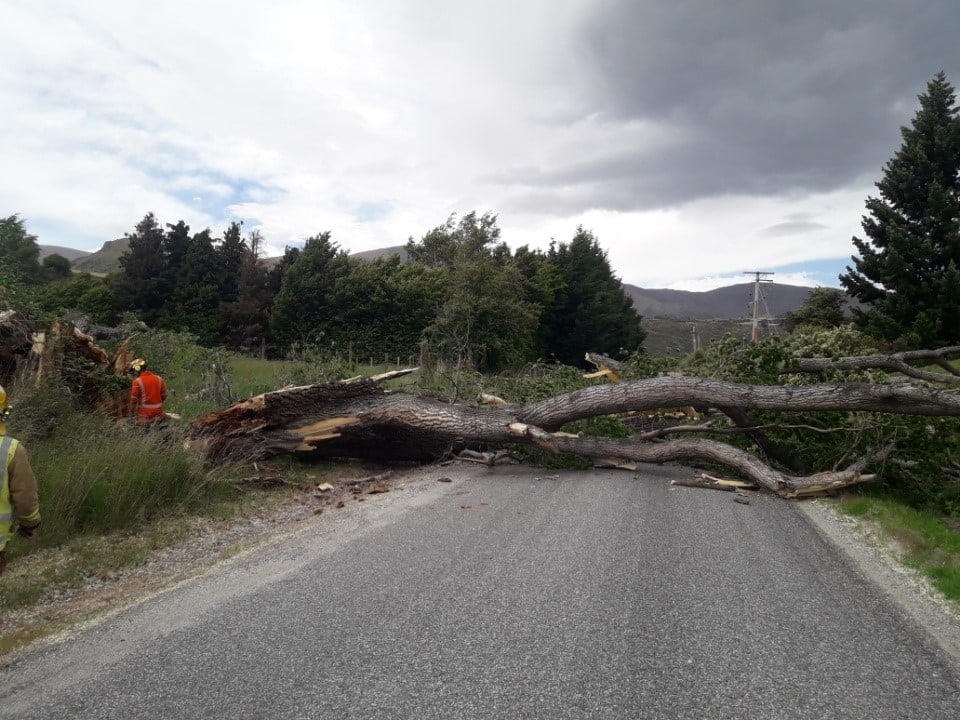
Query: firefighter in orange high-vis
x=18 y=493
x=147 y=394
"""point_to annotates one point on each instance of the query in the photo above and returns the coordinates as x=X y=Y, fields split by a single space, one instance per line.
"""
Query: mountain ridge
x=730 y=302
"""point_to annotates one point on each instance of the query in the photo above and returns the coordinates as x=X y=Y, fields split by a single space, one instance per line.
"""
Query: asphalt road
x=511 y=594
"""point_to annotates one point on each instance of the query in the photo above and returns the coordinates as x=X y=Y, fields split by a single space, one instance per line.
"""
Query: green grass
x=96 y=475
x=927 y=542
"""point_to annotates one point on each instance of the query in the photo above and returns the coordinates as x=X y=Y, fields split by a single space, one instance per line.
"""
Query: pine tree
x=594 y=313
x=194 y=302
x=142 y=284
x=231 y=252
x=908 y=270
x=246 y=319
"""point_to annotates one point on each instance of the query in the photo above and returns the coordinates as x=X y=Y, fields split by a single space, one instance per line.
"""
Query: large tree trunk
x=677 y=391
x=358 y=419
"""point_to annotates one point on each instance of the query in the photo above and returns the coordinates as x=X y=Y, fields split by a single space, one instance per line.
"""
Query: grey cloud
x=792 y=227
x=770 y=97
x=646 y=179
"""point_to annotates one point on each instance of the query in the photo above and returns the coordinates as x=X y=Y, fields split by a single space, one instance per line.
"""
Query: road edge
x=906 y=587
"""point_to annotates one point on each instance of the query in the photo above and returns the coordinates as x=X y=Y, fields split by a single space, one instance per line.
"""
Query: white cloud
x=300 y=117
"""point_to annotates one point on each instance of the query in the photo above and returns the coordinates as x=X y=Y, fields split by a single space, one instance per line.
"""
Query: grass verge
x=923 y=541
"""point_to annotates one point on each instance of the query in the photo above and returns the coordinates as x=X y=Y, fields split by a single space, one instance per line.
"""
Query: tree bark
x=659 y=392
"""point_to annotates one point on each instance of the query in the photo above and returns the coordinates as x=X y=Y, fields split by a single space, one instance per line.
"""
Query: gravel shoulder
x=880 y=561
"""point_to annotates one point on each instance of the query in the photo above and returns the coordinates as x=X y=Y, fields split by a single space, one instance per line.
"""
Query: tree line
x=461 y=296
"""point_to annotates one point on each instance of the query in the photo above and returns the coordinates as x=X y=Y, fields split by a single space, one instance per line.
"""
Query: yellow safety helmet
x=138 y=365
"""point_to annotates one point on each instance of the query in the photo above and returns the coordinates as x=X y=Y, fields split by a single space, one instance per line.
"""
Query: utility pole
x=696 y=336
x=759 y=276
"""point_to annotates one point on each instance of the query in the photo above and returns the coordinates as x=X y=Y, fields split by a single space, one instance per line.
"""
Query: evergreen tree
x=231 y=251
x=908 y=270
x=594 y=313
x=385 y=307
x=142 y=285
x=824 y=307
x=193 y=304
x=56 y=267
x=176 y=245
x=19 y=252
x=306 y=308
x=247 y=318
x=542 y=286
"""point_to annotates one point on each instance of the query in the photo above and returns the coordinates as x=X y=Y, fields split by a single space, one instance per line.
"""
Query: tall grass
x=98 y=475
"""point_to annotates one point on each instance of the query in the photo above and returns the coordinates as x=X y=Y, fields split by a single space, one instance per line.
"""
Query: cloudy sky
x=697 y=139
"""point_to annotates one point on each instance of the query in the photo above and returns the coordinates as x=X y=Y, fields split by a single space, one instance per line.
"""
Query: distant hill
x=726 y=303
x=70 y=254
x=105 y=260
x=399 y=250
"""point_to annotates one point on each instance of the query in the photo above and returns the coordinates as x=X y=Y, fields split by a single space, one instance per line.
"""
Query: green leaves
x=906 y=272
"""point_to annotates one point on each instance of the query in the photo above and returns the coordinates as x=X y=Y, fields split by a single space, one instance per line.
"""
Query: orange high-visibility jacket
x=147 y=394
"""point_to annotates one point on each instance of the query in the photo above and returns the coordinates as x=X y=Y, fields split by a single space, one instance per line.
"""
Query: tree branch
x=554 y=412
x=898 y=362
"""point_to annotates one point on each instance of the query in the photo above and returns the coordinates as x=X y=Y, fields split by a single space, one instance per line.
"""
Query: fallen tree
x=360 y=419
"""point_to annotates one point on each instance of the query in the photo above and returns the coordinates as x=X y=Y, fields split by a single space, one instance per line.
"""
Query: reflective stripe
x=6 y=517
x=35 y=515
x=148 y=398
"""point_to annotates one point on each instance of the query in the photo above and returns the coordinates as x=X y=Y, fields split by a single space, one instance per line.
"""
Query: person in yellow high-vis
x=19 y=502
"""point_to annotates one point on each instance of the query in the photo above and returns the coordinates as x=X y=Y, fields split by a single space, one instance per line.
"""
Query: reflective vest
x=148 y=393
x=8 y=446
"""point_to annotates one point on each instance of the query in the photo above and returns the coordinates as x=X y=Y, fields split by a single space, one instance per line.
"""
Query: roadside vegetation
x=478 y=318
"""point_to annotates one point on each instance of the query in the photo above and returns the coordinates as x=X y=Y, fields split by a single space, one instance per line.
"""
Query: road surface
x=511 y=593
